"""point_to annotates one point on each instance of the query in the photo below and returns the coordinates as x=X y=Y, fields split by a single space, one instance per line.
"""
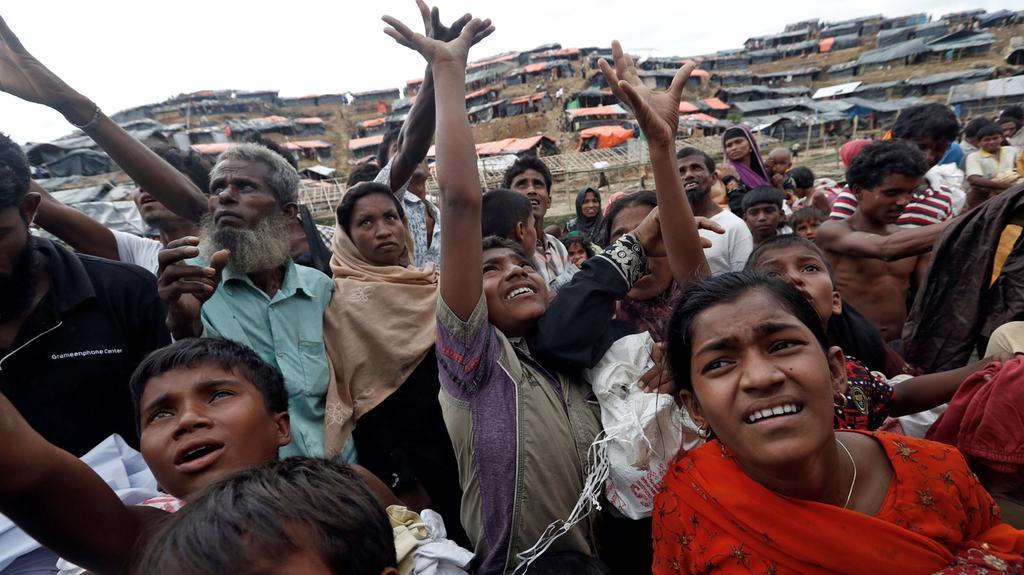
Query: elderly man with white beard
x=238 y=282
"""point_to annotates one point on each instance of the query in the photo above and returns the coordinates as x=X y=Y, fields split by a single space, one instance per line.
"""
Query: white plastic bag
x=645 y=430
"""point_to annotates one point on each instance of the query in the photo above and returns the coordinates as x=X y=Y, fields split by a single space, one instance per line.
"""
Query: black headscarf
x=590 y=228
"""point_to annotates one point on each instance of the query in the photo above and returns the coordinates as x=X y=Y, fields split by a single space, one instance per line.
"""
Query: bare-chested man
x=875 y=261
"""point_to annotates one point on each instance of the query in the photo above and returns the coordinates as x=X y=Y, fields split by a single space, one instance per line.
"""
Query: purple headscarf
x=756 y=175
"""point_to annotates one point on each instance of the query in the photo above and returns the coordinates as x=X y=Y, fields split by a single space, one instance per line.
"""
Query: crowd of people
x=424 y=388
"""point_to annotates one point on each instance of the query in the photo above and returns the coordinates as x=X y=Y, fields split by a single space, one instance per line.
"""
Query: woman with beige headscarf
x=379 y=330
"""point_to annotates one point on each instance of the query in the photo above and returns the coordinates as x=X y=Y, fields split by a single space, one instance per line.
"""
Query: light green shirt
x=286 y=331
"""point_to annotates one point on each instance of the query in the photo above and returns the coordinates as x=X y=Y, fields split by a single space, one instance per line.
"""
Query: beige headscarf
x=379 y=326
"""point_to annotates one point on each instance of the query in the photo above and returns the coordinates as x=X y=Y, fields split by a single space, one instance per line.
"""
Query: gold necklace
x=854 y=482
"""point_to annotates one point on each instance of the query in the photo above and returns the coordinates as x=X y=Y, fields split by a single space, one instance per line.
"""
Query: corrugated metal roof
x=895 y=52
x=983 y=73
x=836 y=90
x=998 y=88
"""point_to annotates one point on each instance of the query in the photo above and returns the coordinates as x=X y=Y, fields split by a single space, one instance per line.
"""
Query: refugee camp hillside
x=813 y=85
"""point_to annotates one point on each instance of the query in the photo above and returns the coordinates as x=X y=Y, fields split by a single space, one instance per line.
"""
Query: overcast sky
x=125 y=53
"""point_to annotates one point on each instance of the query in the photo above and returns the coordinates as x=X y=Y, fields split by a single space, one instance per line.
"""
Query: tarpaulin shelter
x=600 y=137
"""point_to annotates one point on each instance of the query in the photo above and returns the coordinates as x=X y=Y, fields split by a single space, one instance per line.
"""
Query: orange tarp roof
x=311 y=120
x=612 y=110
x=525 y=99
x=211 y=148
x=506 y=146
x=414 y=82
x=607 y=136
x=826 y=44
x=481 y=92
x=530 y=68
x=715 y=104
x=688 y=107
x=700 y=117
x=358 y=143
x=481 y=63
x=270 y=119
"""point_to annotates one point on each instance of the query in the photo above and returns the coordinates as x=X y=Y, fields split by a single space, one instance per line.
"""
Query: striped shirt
x=928 y=207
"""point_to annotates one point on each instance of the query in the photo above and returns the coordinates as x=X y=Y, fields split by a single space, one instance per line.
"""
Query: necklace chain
x=854 y=482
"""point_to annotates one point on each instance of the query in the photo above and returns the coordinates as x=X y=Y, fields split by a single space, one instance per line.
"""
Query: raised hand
x=184 y=288
x=436 y=50
x=656 y=112
x=23 y=76
x=435 y=29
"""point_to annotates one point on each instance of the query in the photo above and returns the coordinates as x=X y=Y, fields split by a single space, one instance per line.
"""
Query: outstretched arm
x=23 y=76
x=78 y=230
x=461 y=198
x=61 y=502
x=418 y=129
x=927 y=391
x=837 y=237
x=658 y=116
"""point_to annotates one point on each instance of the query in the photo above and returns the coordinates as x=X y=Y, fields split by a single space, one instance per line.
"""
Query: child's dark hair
x=271 y=511
x=500 y=243
x=802 y=176
x=14 y=174
x=972 y=127
x=1016 y=112
x=502 y=210
x=575 y=238
x=225 y=354
x=568 y=562
x=805 y=215
x=527 y=162
x=762 y=195
x=709 y=163
x=883 y=159
x=723 y=290
x=358 y=192
x=641 y=198
x=989 y=129
x=190 y=163
x=926 y=121
x=365 y=172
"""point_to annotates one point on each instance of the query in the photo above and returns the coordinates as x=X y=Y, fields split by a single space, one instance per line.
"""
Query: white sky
x=124 y=53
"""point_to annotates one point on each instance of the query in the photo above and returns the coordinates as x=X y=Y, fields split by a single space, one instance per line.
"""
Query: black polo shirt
x=67 y=371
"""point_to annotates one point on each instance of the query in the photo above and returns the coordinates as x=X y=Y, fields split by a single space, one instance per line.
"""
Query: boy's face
x=201 y=423
x=1009 y=129
x=991 y=143
x=763 y=219
x=887 y=201
x=807 y=228
x=803 y=269
x=532 y=185
x=516 y=294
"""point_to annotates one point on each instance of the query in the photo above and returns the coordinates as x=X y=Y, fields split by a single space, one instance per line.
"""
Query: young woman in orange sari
x=776 y=489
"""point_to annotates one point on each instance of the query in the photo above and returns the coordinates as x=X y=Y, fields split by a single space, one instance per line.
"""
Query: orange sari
x=711 y=517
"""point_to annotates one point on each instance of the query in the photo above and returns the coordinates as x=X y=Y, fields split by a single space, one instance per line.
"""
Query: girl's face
x=591 y=206
x=762 y=382
x=659 y=275
x=378 y=231
x=804 y=270
x=577 y=253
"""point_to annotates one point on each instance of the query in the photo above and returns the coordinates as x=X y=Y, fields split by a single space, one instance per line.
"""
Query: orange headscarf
x=712 y=517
